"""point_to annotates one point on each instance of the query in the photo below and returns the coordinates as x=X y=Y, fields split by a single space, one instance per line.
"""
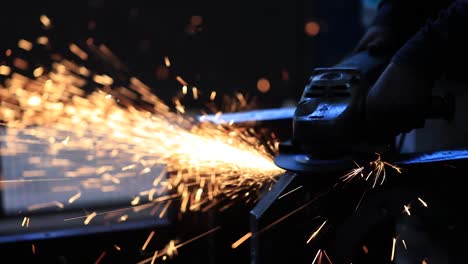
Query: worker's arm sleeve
x=406 y=17
x=439 y=42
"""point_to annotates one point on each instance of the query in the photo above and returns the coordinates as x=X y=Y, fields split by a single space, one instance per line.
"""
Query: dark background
x=237 y=43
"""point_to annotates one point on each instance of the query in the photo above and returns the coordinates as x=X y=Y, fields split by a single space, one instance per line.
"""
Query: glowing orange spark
x=38 y=71
x=117 y=247
x=172 y=245
x=78 y=52
x=103 y=79
x=150 y=236
x=45 y=21
x=155 y=255
x=100 y=258
x=33 y=248
x=164 y=210
x=195 y=93
x=25 y=222
x=316 y=232
x=365 y=249
x=241 y=240
x=404 y=244
x=181 y=81
x=319 y=252
x=89 y=218
x=4 y=70
x=406 y=209
x=42 y=40
x=74 y=197
x=392 y=256
x=24 y=44
x=422 y=202
x=212 y=95
x=167 y=62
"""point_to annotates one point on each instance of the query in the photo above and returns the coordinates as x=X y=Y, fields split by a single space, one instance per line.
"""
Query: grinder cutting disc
x=307 y=164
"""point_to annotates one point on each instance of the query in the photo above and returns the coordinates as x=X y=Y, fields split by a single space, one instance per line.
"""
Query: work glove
x=399 y=101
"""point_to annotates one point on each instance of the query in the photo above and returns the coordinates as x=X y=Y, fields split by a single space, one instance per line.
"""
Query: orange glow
x=312 y=28
x=20 y=64
x=263 y=85
x=162 y=73
x=196 y=21
x=24 y=44
x=45 y=21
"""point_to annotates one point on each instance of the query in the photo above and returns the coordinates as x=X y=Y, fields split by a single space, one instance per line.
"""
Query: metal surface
x=254 y=116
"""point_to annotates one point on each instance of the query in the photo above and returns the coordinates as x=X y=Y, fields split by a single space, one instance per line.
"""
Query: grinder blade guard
x=329 y=123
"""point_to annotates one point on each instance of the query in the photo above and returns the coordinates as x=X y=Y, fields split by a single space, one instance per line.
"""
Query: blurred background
x=264 y=49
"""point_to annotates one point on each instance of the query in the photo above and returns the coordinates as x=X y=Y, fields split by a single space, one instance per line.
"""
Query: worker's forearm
x=439 y=42
x=405 y=17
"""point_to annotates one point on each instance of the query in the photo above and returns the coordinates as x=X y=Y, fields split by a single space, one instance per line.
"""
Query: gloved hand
x=399 y=101
x=377 y=40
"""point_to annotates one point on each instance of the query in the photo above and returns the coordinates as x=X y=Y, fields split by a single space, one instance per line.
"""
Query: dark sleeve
x=406 y=17
x=439 y=42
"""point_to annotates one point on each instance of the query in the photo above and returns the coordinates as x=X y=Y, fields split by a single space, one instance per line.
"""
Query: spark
x=195 y=93
x=74 y=197
x=4 y=70
x=38 y=71
x=172 y=246
x=181 y=81
x=99 y=259
x=290 y=192
x=78 y=52
x=164 y=210
x=103 y=79
x=167 y=62
x=34 y=101
x=45 y=205
x=365 y=249
x=404 y=244
x=24 y=44
x=392 y=256
x=25 y=222
x=43 y=40
x=241 y=240
x=406 y=209
x=424 y=261
x=33 y=248
x=135 y=200
x=155 y=255
x=316 y=232
x=89 y=218
x=212 y=95
x=318 y=257
x=205 y=165
x=117 y=247
x=45 y=21
x=422 y=202
x=375 y=168
x=150 y=236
